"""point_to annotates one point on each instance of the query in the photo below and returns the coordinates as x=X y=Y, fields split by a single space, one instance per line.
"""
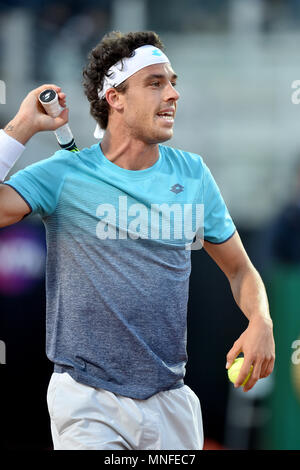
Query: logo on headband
x=156 y=52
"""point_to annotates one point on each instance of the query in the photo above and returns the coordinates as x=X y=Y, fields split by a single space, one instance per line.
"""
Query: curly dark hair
x=113 y=47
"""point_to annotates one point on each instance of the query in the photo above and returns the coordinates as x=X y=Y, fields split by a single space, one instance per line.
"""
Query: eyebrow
x=159 y=76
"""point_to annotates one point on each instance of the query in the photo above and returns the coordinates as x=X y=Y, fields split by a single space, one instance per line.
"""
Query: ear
x=115 y=99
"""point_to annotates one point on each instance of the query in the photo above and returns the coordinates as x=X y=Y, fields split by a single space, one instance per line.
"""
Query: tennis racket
x=49 y=100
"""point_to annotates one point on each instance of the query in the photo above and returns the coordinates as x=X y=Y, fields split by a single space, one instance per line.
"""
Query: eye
x=156 y=84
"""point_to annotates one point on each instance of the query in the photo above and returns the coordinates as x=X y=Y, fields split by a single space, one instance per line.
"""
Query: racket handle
x=49 y=100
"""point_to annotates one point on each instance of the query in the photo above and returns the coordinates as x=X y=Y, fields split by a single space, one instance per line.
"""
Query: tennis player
x=121 y=219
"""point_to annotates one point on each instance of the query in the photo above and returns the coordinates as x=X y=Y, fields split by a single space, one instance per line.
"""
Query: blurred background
x=236 y=61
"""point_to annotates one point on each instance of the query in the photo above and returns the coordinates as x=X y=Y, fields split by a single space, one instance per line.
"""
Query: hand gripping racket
x=49 y=100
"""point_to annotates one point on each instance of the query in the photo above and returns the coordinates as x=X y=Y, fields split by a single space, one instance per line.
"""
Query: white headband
x=118 y=73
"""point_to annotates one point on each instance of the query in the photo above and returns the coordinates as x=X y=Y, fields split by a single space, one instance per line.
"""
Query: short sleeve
x=218 y=224
x=40 y=184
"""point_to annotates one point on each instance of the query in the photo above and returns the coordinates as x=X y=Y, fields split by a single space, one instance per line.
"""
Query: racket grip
x=49 y=100
x=64 y=136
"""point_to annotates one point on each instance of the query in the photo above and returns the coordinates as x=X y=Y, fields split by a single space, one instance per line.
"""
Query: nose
x=171 y=93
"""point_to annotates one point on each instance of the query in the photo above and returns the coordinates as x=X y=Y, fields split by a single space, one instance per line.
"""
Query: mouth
x=167 y=116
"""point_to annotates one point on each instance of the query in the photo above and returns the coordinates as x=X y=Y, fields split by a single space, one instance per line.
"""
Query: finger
x=271 y=366
x=245 y=369
x=61 y=96
x=51 y=124
x=62 y=103
x=39 y=90
x=264 y=368
x=62 y=118
x=232 y=354
x=253 y=378
x=268 y=369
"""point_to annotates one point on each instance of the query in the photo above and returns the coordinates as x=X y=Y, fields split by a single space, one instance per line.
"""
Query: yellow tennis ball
x=234 y=370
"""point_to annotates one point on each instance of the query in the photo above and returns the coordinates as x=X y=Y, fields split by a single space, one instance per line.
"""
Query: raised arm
x=30 y=119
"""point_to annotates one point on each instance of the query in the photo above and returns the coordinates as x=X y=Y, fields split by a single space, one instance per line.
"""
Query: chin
x=167 y=136
x=161 y=137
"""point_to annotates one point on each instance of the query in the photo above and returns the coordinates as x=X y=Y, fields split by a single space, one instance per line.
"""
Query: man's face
x=150 y=103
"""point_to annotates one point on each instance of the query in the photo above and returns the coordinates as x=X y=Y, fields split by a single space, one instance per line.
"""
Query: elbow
x=241 y=270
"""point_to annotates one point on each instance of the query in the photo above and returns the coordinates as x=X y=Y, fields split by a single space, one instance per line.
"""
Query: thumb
x=232 y=354
x=48 y=123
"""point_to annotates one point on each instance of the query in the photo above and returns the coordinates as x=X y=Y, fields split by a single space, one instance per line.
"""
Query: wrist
x=10 y=151
x=20 y=129
x=262 y=318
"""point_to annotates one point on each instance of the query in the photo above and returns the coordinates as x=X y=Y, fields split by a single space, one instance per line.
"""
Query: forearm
x=12 y=143
x=257 y=341
x=250 y=294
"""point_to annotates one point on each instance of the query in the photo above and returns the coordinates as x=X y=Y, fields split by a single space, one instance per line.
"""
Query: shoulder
x=173 y=152
x=61 y=161
x=59 y=158
x=188 y=161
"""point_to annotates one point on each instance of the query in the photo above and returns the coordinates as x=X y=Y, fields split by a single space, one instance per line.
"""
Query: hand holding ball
x=234 y=371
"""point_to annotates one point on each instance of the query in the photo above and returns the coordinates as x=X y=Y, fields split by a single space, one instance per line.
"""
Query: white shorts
x=87 y=418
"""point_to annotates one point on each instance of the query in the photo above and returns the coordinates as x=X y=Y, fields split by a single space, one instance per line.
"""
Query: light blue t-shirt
x=118 y=262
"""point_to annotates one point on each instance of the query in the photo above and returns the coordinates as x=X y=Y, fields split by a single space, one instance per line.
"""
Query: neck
x=128 y=152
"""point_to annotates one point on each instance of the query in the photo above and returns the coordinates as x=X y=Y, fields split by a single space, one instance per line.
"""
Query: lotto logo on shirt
x=166 y=222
